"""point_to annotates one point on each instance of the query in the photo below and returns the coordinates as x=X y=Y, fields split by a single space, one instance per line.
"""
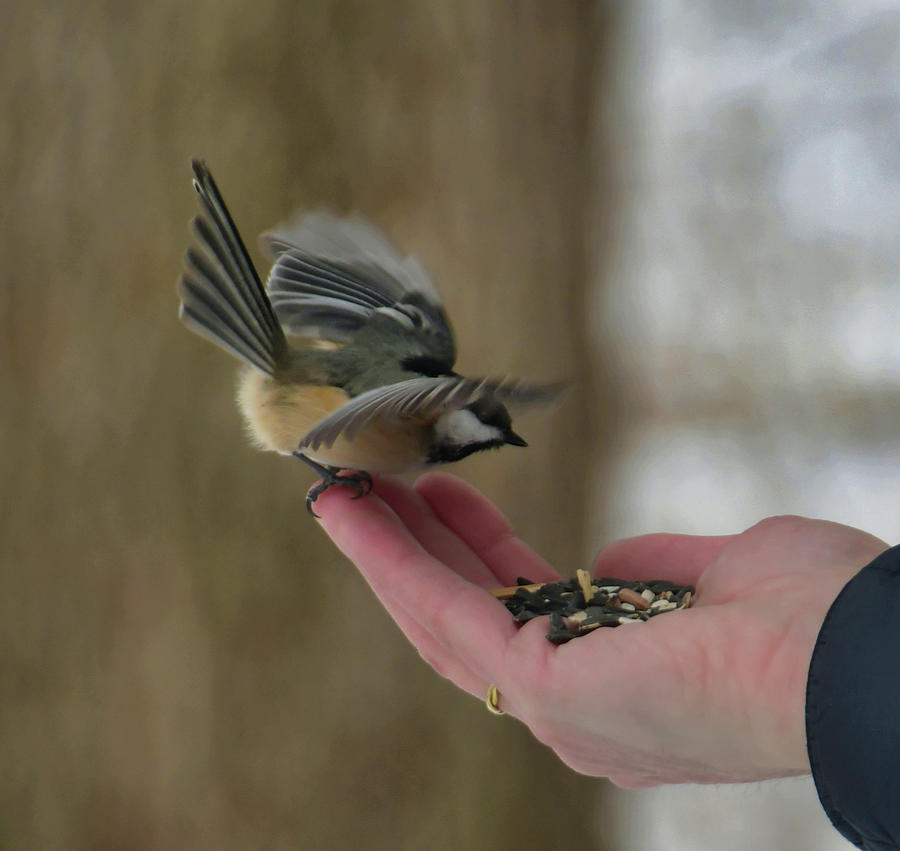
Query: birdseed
x=580 y=605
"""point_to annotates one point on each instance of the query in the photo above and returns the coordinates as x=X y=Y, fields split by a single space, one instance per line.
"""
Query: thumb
x=678 y=558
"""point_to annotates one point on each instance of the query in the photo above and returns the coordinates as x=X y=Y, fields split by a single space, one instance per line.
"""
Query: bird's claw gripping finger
x=361 y=482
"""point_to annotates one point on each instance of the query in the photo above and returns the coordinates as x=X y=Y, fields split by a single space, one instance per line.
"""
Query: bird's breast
x=279 y=414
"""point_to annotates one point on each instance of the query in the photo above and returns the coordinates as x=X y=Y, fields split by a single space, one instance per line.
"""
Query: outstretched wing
x=332 y=276
x=420 y=398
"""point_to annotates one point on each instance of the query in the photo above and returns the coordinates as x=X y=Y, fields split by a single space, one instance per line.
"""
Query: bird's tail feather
x=222 y=297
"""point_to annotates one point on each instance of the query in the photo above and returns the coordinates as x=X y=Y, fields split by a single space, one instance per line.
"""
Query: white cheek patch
x=460 y=428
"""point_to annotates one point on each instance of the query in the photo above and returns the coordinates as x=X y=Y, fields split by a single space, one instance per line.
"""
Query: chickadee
x=349 y=355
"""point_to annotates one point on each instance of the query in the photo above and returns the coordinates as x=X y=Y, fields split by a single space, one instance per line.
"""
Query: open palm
x=708 y=694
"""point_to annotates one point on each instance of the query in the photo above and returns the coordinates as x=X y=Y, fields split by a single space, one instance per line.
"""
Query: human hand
x=710 y=694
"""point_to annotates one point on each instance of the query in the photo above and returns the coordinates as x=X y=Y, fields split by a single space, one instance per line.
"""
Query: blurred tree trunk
x=189 y=664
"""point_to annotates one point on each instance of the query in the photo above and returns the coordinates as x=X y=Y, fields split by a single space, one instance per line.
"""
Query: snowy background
x=751 y=312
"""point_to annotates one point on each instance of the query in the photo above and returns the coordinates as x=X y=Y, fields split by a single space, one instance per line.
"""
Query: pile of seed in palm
x=579 y=606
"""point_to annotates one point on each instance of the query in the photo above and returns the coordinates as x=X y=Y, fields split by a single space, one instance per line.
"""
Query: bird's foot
x=359 y=480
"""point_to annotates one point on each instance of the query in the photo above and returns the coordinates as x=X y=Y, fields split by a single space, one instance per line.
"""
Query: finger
x=677 y=558
x=432 y=533
x=448 y=666
x=430 y=649
x=471 y=624
x=488 y=534
x=520 y=672
x=444 y=663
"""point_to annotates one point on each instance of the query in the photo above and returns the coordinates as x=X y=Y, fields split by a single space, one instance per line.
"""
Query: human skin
x=710 y=694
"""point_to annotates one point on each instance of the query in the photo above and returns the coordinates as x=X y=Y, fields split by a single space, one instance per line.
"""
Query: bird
x=347 y=351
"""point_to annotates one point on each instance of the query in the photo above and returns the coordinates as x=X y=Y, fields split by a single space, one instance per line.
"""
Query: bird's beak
x=513 y=439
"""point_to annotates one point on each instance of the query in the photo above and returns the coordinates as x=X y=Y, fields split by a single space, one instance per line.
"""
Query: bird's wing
x=420 y=398
x=331 y=276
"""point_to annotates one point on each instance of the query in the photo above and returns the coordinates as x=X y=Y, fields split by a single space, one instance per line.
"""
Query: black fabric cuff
x=853 y=707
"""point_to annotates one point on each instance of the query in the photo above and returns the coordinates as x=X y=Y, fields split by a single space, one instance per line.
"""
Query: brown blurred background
x=687 y=208
x=187 y=663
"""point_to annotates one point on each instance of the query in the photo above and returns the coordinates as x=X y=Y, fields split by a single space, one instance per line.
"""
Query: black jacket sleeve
x=853 y=707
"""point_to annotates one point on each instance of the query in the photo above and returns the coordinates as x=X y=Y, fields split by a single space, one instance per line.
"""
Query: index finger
x=465 y=619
